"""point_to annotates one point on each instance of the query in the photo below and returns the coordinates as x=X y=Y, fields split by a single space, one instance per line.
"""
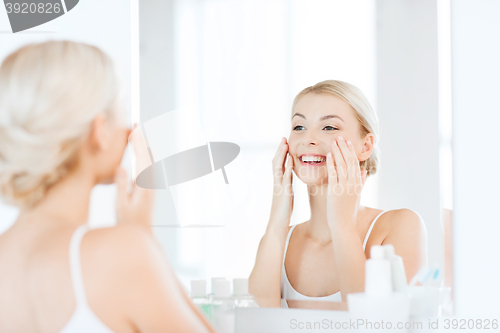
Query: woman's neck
x=65 y=204
x=317 y=227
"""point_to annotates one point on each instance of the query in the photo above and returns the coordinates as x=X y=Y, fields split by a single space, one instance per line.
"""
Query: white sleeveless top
x=288 y=292
x=83 y=319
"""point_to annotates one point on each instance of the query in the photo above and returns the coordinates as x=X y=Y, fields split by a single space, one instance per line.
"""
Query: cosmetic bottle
x=379 y=301
x=212 y=283
x=241 y=297
x=199 y=296
x=223 y=306
x=378 y=277
x=398 y=273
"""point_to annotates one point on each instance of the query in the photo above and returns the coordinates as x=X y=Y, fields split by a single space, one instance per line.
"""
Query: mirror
x=230 y=70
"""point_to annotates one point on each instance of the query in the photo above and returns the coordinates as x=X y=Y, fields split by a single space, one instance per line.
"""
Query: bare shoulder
x=128 y=275
x=121 y=238
x=405 y=225
x=405 y=219
x=408 y=235
x=111 y=258
x=121 y=249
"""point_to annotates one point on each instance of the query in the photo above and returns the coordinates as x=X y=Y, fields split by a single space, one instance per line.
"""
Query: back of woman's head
x=366 y=116
x=49 y=95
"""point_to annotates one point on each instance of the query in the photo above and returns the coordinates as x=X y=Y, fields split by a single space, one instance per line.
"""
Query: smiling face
x=317 y=120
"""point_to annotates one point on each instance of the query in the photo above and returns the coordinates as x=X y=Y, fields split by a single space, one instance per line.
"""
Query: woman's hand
x=282 y=205
x=264 y=281
x=345 y=182
x=135 y=206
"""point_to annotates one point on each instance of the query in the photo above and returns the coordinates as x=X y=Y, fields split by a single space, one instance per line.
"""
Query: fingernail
x=348 y=142
x=340 y=138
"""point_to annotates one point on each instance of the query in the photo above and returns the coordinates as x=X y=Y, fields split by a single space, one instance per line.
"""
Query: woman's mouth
x=312 y=160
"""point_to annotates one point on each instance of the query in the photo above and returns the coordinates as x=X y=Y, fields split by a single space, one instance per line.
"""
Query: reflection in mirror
x=239 y=65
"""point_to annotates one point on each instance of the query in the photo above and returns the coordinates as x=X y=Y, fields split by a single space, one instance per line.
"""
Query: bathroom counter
x=281 y=320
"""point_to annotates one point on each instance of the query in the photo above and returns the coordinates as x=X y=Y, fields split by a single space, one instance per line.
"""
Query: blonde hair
x=366 y=116
x=49 y=95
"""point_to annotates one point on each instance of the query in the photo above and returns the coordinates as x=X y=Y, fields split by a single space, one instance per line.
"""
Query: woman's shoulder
x=118 y=247
x=124 y=258
x=403 y=214
x=117 y=235
x=402 y=219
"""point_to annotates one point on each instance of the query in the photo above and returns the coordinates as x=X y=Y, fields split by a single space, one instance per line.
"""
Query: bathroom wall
x=408 y=110
x=475 y=30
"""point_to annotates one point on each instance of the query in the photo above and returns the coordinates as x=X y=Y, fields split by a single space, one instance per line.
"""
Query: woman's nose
x=310 y=140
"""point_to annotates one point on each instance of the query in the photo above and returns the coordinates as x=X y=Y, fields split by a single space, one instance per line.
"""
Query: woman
x=332 y=148
x=61 y=133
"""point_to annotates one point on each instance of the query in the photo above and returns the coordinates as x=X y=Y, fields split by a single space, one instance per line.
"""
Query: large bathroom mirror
x=230 y=71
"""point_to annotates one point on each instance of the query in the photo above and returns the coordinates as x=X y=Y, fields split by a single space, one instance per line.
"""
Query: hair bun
x=49 y=95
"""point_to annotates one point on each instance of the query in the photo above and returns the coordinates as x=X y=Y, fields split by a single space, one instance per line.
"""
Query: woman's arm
x=345 y=182
x=265 y=279
x=138 y=283
x=407 y=233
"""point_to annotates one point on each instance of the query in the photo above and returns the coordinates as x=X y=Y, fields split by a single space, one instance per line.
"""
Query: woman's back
x=36 y=282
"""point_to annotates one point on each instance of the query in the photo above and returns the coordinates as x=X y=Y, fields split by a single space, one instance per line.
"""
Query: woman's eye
x=298 y=128
x=330 y=128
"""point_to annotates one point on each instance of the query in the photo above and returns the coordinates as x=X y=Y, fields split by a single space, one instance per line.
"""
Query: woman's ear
x=99 y=138
x=367 y=148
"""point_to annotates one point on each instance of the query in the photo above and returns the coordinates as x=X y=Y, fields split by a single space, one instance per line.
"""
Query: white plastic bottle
x=378 y=280
x=212 y=283
x=242 y=298
x=223 y=307
x=379 y=302
x=399 y=282
x=199 y=296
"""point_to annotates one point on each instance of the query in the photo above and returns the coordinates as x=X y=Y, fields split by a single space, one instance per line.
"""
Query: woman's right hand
x=282 y=205
x=135 y=206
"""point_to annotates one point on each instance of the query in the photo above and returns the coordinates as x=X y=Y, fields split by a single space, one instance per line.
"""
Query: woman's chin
x=314 y=181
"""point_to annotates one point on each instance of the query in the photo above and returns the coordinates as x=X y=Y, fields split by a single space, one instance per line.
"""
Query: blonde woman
x=61 y=133
x=332 y=148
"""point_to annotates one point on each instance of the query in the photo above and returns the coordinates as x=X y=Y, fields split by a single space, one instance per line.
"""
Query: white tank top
x=288 y=292
x=83 y=319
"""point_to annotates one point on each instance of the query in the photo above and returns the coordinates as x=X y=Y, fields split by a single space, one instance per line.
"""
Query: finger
x=142 y=195
x=287 y=177
x=339 y=163
x=332 y=172
x=278 y=151
x=279 y=163
x=141 y=152
x=121 y=184
x=348 y=160
x=356 y=170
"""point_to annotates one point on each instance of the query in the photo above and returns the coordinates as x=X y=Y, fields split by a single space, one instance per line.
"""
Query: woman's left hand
x=345 y=182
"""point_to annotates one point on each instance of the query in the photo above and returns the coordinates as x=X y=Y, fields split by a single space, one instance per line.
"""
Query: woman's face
x=317 y=120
